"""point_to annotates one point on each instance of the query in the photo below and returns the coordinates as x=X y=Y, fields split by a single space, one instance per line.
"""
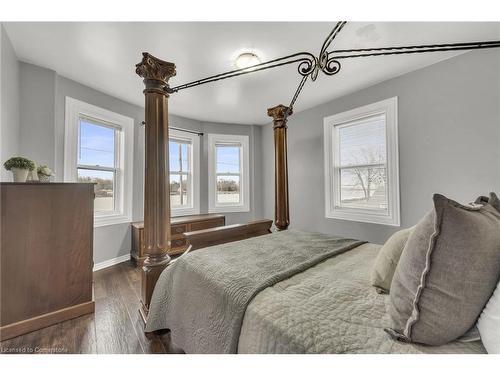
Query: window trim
x=330 y=124
x=194 y=139
x=74 y=110
x=244 y=206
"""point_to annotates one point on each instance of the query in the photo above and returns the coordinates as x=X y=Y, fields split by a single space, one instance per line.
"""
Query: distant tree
x=370 y=177
x=227 y=185
x=175 y=185
x=103 y=187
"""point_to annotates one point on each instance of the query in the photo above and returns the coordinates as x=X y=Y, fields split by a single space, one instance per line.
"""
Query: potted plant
x=44 y=173
x=19 y=167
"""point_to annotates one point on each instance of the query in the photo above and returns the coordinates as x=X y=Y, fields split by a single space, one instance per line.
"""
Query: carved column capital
x=155 y=72
x=278 y=115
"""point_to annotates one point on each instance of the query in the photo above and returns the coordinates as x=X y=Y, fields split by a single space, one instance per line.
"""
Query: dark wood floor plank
x=121 y=283
x=114 y=330
x=70 y=337
x=115 y=327
x=85 y=335
x=133 y=277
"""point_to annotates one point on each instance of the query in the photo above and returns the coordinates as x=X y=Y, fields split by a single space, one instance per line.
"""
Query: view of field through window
x=96 y=161
x=362 y=168
x=180 y=173
x=228 y=173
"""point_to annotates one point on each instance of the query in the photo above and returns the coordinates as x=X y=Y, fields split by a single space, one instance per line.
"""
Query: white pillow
x=489 y=323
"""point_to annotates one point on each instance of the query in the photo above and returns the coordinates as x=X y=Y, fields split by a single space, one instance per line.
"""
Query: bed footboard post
x=157 y=236
x=281 y=210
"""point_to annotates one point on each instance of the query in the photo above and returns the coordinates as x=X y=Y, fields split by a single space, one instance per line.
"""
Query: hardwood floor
x=114 y=328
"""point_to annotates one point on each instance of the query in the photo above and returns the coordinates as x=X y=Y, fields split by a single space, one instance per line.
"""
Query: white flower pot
x=43 y=178
x=19 y=175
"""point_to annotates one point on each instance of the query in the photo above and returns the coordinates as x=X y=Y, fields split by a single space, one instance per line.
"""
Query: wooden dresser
x=179 y=225
x=46 y=254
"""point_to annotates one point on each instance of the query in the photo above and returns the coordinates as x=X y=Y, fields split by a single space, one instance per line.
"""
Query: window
x=184 y=156
x=98 y=148
x=361 y=164
x=228 y=180
x=97 y=161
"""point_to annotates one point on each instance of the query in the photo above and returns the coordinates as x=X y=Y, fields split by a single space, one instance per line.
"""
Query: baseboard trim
x=46 y=320
x=111 y=262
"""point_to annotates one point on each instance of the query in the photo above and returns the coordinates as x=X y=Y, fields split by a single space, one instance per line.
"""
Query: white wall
x=37 y=90
x=9 y=127
x=449 y=143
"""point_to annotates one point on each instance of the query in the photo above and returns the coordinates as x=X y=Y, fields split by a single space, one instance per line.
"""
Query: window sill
x=223 y=209
x=363 y=217
x=105 y=220
x=184 y=211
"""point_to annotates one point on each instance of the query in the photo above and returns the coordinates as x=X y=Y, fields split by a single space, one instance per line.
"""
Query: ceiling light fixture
x=247 y=59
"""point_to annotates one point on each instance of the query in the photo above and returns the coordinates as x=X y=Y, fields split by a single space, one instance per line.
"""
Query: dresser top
x=184 y=219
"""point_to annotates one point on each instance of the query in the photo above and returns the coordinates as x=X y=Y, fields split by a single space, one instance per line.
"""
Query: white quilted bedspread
x=330 y=308
x=203 y=296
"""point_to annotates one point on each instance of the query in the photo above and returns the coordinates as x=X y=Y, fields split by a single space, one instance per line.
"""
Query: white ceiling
x=103 y=55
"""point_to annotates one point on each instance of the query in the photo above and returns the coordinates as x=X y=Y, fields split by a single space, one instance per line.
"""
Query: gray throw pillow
x=387 y=260
x=446 y=274
x=492 y=199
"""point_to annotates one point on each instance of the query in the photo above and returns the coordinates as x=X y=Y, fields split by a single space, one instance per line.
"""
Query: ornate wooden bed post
x=281 y=210
x=156 y=74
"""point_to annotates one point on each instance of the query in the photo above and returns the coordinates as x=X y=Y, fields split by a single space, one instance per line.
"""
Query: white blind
x=362 y=164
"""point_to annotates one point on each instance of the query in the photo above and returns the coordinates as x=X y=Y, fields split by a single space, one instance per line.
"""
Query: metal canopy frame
x=310 y=65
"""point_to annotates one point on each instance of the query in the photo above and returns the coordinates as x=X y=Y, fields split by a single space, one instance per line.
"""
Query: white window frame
x=389 y=107
x=75 y=110
x=194 y=158
x=243 y=141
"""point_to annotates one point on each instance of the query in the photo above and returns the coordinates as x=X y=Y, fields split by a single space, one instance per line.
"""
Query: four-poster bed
x=156 y=74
